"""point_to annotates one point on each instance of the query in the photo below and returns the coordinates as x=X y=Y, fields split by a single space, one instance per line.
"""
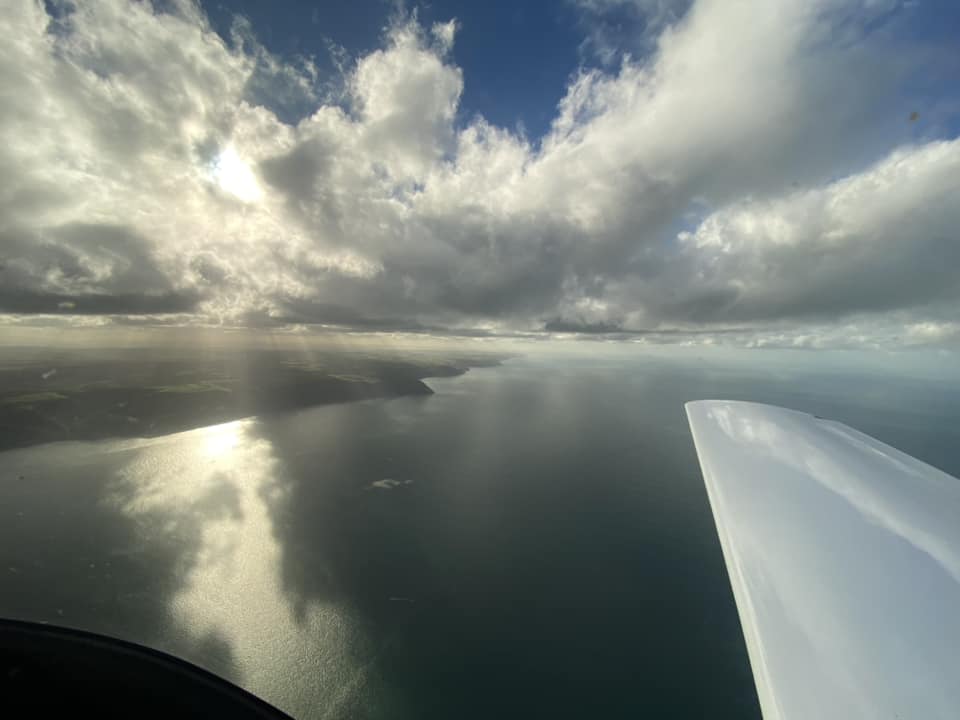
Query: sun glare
x=221 y=439
x=234 y=176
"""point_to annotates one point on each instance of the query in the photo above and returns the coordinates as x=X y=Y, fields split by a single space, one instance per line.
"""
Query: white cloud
x=156 y=169
x=407 y=98
x=883 y=239
x=615 y=28
x=933 y=333
x=444 y=34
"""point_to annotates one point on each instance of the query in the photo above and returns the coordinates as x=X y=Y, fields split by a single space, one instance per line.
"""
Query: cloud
x=883 y=239
x=752 y=167
x=933 y=333
x=79 y=268
x=615 y=28
x=95 y=303
x=558 y=325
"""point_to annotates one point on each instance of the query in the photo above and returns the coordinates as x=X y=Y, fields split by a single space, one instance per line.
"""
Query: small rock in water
x=388 y=484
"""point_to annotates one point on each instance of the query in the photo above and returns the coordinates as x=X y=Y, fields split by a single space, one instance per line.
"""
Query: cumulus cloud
x=750 y=168
x=880 y=240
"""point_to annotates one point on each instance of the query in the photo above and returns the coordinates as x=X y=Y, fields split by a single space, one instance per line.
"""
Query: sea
x=532 y=541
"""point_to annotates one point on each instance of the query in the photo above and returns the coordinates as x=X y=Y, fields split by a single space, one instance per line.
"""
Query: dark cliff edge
x=85 y=396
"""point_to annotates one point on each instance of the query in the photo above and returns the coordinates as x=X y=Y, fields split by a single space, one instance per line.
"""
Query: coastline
x=116 y=398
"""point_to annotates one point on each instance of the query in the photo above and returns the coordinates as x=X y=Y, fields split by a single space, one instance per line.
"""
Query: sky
x=763 y=174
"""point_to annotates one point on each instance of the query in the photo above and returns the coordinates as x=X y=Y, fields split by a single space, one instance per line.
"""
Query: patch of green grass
x=305 y=365
x=355 y=378
x=31 y=398
x=191 y=388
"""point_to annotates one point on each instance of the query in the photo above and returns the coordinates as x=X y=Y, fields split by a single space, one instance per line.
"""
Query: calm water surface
x=532 y=541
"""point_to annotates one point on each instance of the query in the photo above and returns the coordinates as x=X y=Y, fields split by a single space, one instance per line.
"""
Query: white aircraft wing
x=844 y=558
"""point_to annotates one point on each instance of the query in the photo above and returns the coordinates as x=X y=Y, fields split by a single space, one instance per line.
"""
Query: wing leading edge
x=844 y=558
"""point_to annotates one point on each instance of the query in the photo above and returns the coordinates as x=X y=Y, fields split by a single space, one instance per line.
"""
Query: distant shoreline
x=127 y=396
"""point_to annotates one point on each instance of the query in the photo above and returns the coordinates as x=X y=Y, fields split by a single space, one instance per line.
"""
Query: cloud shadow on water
x=70 y=555
x=546 y=559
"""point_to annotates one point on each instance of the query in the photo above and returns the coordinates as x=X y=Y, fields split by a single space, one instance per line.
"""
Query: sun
x=234 y=176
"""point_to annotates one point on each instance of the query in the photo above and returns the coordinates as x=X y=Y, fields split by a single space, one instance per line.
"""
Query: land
x=93 y=394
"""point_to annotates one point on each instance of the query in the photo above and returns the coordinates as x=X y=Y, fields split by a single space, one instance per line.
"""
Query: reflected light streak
x=222 y=478
x=221 y=439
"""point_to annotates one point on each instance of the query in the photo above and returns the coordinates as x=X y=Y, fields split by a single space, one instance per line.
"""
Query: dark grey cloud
x=31 y=302
x=571 y=326
x=85 y=269
x=295 y=173
x=308 y=312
